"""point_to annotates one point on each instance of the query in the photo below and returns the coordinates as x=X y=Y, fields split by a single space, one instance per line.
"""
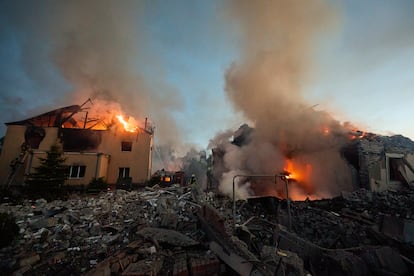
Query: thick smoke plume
x=266 y=85
x=100 y=49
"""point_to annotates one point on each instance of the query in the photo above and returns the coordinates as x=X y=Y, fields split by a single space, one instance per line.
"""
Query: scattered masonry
x=174 y=231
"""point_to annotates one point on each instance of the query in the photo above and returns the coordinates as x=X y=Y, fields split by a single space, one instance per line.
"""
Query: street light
x=283 y=176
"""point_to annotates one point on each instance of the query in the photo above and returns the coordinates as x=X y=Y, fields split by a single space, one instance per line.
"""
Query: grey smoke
x=266 y=85
x=96 y=49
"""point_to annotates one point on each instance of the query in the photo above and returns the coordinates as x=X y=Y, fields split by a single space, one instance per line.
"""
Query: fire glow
x=326 y=131
x=357 y=134
x=128 y=125
x=300 y=173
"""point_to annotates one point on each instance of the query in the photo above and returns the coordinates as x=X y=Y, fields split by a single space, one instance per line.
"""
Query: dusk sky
x=168 y=60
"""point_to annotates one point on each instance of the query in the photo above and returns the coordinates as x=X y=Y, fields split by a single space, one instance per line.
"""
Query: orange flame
x=128 y=126
x=326 y=131
x=300 y=173
x=357 y=134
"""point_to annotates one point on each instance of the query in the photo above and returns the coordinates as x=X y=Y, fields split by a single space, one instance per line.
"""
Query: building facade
x=93 y=148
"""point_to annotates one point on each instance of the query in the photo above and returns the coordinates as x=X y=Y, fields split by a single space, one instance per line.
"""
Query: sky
x=167 y=60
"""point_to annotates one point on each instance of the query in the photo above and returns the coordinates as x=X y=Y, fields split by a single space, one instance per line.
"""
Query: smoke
x=266 y=85
x=99 y=49
x=194 y=162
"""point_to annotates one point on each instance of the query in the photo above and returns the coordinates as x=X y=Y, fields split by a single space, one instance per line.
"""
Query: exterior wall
x=15 y=137
x=11 y=148
x=104 y=161
x=370 y=155
x=50 y=138
x=89 y=160
x=138 y=159
x=410 y=174
x=103 y=164
x=378 y=176
x=375 y=165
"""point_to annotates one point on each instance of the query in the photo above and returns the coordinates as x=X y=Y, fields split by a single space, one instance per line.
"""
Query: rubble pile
x=393 y=203
x=114 y=232
x=359 y=233
x=179 y=231
x=396 y=142
x=354 y=219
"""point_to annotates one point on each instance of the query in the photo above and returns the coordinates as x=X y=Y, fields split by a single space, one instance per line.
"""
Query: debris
x=29 y=260
x=144 y=267
x=161 y=230
x=167 y=236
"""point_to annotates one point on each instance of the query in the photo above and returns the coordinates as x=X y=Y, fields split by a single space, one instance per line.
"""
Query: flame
x=357 y=134
x=296 y=172
x=300 y=173
x=128 y=126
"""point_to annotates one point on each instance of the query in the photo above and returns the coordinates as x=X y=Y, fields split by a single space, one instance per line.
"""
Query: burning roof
x=56 y=118
x=80 y=117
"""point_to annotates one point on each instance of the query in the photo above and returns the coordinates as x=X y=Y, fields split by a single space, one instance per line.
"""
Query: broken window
x=77 y=171
x=126 y=146
x=123 y=173
x=396 y=167
x=80 y=139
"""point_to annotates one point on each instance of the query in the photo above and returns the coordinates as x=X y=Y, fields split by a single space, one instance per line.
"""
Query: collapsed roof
x=73 y=116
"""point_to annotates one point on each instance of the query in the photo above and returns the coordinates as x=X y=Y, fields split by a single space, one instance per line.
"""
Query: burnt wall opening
x=395 y=165
x=80 y=139
x=34 y=135
x=351 y=154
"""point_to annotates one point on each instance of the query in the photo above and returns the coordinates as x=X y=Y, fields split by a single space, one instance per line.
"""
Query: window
x=126 y=146
x=123 y=173
x=77 y=171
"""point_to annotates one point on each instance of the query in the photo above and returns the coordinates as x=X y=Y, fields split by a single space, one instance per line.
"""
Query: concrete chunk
x=29 y=260
x=144 y=267
x=167 y=236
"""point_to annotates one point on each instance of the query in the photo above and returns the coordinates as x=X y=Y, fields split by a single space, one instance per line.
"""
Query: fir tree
x=51 y=174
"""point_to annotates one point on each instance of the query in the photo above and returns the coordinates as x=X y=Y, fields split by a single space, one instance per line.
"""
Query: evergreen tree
x=51 y=174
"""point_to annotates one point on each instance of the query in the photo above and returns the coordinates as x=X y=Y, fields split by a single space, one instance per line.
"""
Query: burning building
x=109 y=146
x=343 y=161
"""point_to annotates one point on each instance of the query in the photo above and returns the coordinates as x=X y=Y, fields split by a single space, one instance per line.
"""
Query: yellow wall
x=49 y=139
x=138 y=159
x=11 y=148
x=103 y=164
x=105 y=161
x=82 y=159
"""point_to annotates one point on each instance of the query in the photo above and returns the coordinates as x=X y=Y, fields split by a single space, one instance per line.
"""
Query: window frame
x=80 y=171
x=126 y=146
x=125 y=172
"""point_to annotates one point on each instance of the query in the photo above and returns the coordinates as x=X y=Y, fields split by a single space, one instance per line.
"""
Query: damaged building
x=93 y=147
x=181 y=230
x=373 y=162
x=381 y=162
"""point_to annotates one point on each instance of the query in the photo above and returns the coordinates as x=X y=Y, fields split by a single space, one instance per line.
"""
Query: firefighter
x=192 y=181
x=194 y=187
